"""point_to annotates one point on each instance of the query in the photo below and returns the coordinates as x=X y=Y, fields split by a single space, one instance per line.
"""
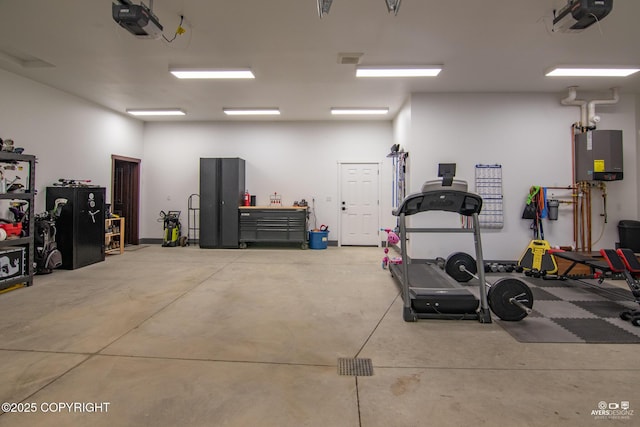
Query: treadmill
x=427 y=291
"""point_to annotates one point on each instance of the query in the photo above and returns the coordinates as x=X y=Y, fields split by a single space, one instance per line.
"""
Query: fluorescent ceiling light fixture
x=358 y=111
x=591 y=72
x=426 y=71
x=212 y=74
x=323 y=7
x=271 y=111
x=156 y=112
x=393 y=6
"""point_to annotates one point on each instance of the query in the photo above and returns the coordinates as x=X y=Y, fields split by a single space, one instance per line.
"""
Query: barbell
x=509 y=298
x=457 y=259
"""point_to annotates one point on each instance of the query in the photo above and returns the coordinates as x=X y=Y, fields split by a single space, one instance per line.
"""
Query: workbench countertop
x=273 y=207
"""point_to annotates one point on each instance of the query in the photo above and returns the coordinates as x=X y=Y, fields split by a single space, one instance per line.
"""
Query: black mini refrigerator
x=80 y=227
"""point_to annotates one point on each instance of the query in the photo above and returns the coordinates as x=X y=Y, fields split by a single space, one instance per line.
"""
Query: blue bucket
x=318 y=239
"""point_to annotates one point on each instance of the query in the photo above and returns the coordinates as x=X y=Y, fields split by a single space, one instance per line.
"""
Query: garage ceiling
x=485 y=46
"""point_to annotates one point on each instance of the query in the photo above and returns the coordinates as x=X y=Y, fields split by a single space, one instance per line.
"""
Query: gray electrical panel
x=598 y=155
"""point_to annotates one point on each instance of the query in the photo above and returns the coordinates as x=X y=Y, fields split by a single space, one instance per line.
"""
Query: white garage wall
x=638 y=150
x=296 y=160
x=529 y=135
x=402 y=131
x=71 y=138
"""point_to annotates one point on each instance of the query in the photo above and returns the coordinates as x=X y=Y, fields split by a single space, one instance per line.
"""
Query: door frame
x=134 y=223
x=340 y=164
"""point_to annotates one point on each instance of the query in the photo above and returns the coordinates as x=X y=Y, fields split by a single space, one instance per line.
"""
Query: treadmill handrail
x=462 y=202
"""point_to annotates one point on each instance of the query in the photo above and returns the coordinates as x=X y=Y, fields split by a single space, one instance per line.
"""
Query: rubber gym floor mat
x=575 y=294
x=542 y=294
x=601 y=308
x=597 y=331
x=549 y=283
x=575 y=313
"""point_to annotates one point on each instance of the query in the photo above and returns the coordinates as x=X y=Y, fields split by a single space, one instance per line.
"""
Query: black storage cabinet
x=629 y=233
x=222 y=186
x=80 y=227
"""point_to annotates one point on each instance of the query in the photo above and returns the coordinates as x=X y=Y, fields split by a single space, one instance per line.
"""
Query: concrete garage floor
x=190 y=337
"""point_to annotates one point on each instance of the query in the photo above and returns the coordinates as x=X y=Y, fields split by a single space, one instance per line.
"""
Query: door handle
x=93 y=215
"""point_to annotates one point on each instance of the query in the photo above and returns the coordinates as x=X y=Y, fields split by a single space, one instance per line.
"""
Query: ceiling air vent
x=349 y=58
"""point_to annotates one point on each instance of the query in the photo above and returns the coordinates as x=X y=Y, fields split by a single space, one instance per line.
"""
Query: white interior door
x=359 y=222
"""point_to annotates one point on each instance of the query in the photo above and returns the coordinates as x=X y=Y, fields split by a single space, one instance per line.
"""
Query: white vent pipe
x=571 y=100
x=588 y=116
x=591 y=106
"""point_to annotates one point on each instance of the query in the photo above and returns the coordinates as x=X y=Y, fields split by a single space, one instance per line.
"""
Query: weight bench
x=624 y=262
x=576 y=258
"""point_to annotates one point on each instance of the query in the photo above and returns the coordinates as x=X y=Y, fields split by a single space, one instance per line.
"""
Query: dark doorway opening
x=125 y=195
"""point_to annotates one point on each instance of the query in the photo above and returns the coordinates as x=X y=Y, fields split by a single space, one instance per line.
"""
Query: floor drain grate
x=355 y=367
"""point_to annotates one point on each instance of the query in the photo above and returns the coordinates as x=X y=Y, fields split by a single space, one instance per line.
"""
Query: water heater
x=598 y=155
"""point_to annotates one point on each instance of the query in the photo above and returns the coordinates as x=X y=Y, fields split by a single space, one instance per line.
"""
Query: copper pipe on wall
x=583 y=208
x=585 y=214
x=583 y=226
x=588 y=217
x=574 y=211
x=575 y=186
x=568 y=187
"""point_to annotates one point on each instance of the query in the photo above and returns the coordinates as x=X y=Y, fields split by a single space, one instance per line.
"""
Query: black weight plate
x=455 y=260
x=625 y=315
x=500 y=294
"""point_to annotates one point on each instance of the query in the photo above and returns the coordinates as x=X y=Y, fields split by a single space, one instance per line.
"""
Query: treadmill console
x=438 y=185
x=445 y=194
x=443 y=200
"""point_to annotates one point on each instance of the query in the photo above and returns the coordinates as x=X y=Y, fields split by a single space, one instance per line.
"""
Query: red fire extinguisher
x=247 y=198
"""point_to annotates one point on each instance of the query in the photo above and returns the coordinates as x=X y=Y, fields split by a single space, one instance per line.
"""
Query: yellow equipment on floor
x=537 y=257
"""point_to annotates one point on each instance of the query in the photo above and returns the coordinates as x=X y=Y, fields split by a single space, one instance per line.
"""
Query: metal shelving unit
x=26 y=273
